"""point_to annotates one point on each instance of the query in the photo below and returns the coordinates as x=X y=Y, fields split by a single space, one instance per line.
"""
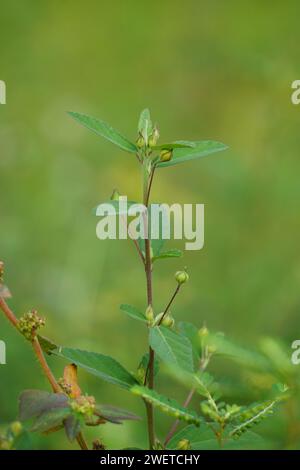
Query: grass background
x=207 y=70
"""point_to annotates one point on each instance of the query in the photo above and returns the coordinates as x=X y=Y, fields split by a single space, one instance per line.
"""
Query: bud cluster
x=84 y=405
x=164 y=319
x=66 y=387
x=29 y=323
x=7 y=440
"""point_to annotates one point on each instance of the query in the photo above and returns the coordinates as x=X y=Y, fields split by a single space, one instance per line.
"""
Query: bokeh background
x=207 y=70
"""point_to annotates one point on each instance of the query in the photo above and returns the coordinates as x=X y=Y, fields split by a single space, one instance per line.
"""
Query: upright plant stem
x=148 y=271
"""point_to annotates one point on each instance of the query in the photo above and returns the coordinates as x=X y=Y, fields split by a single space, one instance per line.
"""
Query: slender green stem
x=169 y=304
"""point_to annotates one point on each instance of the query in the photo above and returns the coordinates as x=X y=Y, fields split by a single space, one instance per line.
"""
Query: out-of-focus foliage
x=218 y=70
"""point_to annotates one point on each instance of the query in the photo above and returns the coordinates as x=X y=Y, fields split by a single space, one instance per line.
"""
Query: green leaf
x=252 y=415
x=178 y=144
x=249 y=441
x=191 y=332
x=203 y=148
x=145 y=361
x=35 y=402
x=205 y=384
x=72 y=427
x=166 y=405
x=174 y=253
x=133 y=312
x=203 y=438
x=115 y=415
x=172 y=348
x=47 y=344
x=105 y=130
x=23 y=441
x=241 y=355
x=145 y=127
x=50 y=419
x=199 y=439
x=104 y=367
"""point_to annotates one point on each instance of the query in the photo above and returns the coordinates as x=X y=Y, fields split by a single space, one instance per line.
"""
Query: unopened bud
x=203 y=332
x=166 y=155
x=181 y=277
x=16 y=427
x=140 y=142
x=168 y=321
x=115 y=195
x=141 y=374
x=211 y=349
x=153 y=138
x=149 y=314
x=183 y=444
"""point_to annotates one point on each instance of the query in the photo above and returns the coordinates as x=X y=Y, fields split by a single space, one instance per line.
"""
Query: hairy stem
x=8 y=312
x=46 y=369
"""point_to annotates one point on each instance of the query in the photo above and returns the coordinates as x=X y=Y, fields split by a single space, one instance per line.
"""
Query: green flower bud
x=166 y=155
x=29 y=323
x=115 y=195
x=168 y=321
x=149 y=314
x=141 y=374
x=211 y=349
x=183 y=444
x=5 y=444
x=83 y=405
x=16 y=428
x=153 y=138
x=181 y=277
x=203 y=332
x=140 y=142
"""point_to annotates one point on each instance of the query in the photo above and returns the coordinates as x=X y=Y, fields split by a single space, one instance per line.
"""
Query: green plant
x=185 y=349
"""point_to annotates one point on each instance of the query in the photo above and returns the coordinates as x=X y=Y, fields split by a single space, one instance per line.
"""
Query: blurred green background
x=207 y=70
